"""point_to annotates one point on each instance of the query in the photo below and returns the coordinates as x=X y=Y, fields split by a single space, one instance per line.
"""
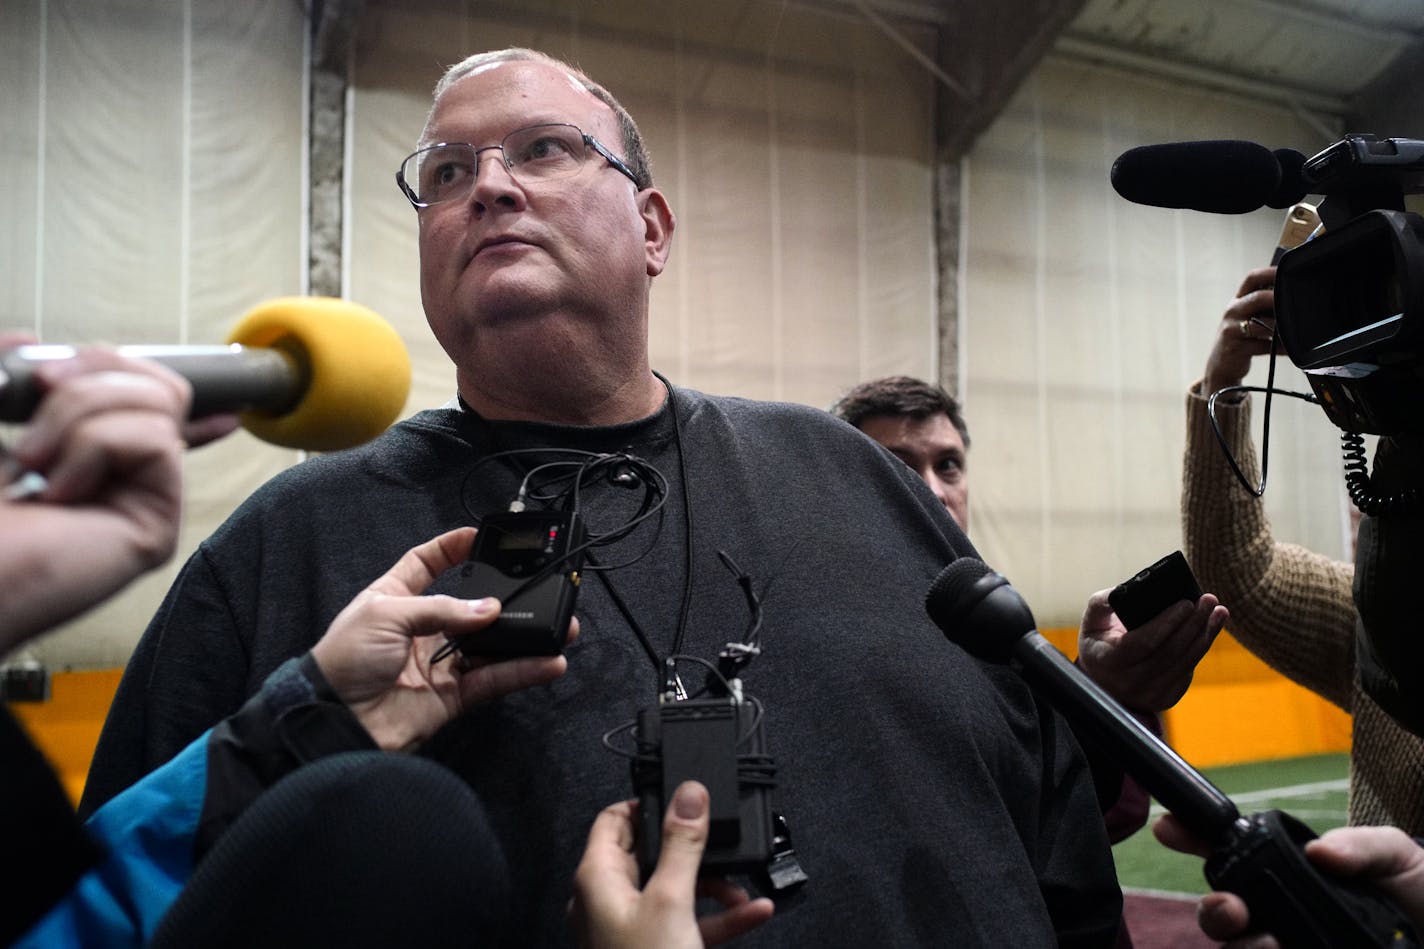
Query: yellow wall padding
x=66 y=728
x=1239 y=709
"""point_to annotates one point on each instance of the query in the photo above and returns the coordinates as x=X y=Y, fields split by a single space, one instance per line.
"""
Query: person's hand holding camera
x=1245 y=332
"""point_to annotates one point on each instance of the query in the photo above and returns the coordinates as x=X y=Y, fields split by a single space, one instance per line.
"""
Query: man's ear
x=658 y=225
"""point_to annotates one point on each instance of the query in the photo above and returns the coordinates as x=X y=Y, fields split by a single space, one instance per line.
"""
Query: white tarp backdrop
x=1086 y=318
x=154 y=158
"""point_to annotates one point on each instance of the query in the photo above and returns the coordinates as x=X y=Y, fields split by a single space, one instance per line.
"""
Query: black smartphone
x=1147 y=593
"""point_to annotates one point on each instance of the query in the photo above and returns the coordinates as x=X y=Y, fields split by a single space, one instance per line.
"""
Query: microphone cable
x=1352 y=450
x=1357 y=482
x=559 y=484
x=1270 y=390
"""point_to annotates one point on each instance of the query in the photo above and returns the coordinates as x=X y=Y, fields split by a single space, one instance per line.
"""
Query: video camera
x=1350 y=303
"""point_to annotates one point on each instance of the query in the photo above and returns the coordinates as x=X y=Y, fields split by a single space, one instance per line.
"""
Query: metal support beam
x=947 y=251
x=332 y=26
x=1088 y=50
x=988 y=49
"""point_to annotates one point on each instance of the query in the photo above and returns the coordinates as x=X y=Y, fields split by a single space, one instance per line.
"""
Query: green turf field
x=1310 y=789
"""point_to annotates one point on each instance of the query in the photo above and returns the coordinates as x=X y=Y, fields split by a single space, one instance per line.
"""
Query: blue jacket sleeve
x=147 y=835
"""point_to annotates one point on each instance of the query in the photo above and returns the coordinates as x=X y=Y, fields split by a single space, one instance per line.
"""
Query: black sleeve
x=40 y=831
x=1073 y=861
x=1390 y=651
x=295 y=719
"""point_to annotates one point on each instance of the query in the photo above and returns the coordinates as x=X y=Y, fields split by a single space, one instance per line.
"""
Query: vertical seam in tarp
x=778 y=350
x=1040 y=328
x=1115 y=319
x=684 y=293
x=41 y=119
x=185 y=180
x=961 y=293
x=864 y=321
x=348 y=155
x=304 y=267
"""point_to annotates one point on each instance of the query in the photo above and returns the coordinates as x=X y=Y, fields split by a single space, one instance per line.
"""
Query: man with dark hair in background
x=923 y=426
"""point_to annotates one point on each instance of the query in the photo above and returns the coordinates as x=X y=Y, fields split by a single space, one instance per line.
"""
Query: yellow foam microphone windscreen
x=355 y=368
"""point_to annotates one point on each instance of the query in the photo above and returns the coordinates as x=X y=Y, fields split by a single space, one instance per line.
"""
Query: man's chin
x=506 y=292
x=496 y=308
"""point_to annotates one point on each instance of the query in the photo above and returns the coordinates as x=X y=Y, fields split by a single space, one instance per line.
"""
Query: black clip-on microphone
x=1260 y=858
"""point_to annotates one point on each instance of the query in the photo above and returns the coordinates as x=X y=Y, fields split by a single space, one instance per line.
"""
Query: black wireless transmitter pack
x=530 y=561
x=706 y=740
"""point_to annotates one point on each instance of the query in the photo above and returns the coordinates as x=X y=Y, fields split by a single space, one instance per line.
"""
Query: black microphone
x=1293 y=185
x=1221 y=177
x=1260 y=858
x=317 y=373
x=976 y=608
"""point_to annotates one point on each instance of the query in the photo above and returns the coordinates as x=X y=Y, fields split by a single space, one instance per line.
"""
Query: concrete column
x=333 y=26
x=985 y=51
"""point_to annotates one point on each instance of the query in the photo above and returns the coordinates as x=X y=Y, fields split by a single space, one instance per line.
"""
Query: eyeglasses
x=446 y=172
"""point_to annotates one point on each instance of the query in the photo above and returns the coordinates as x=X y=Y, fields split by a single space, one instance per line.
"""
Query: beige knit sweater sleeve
x=1291 y=607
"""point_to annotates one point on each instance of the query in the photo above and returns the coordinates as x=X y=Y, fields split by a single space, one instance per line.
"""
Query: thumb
x=685 y=827
x=1098 y=613
x=427 y=615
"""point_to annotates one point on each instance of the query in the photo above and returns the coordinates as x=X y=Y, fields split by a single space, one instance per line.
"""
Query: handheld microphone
x=1260 y=858
x=304 y=372
x=977 y=609
x=1219 y=177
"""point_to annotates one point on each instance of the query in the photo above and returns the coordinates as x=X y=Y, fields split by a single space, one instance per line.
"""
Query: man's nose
x=927 y=474
x=491 y=185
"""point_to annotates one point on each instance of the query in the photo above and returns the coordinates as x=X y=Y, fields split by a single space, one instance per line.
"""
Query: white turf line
x=1294 y=790
x=1161 y=894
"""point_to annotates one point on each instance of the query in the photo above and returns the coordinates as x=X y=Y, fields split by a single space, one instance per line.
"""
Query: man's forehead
x=525 y=85
x=934 y=431
x=538 y=64
x=497 y=98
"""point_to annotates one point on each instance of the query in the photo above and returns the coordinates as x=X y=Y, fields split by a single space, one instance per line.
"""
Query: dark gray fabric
x=932 y=800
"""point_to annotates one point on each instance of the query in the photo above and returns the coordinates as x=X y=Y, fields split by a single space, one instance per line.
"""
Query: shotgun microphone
x=1220 y=177
x=317 y=373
